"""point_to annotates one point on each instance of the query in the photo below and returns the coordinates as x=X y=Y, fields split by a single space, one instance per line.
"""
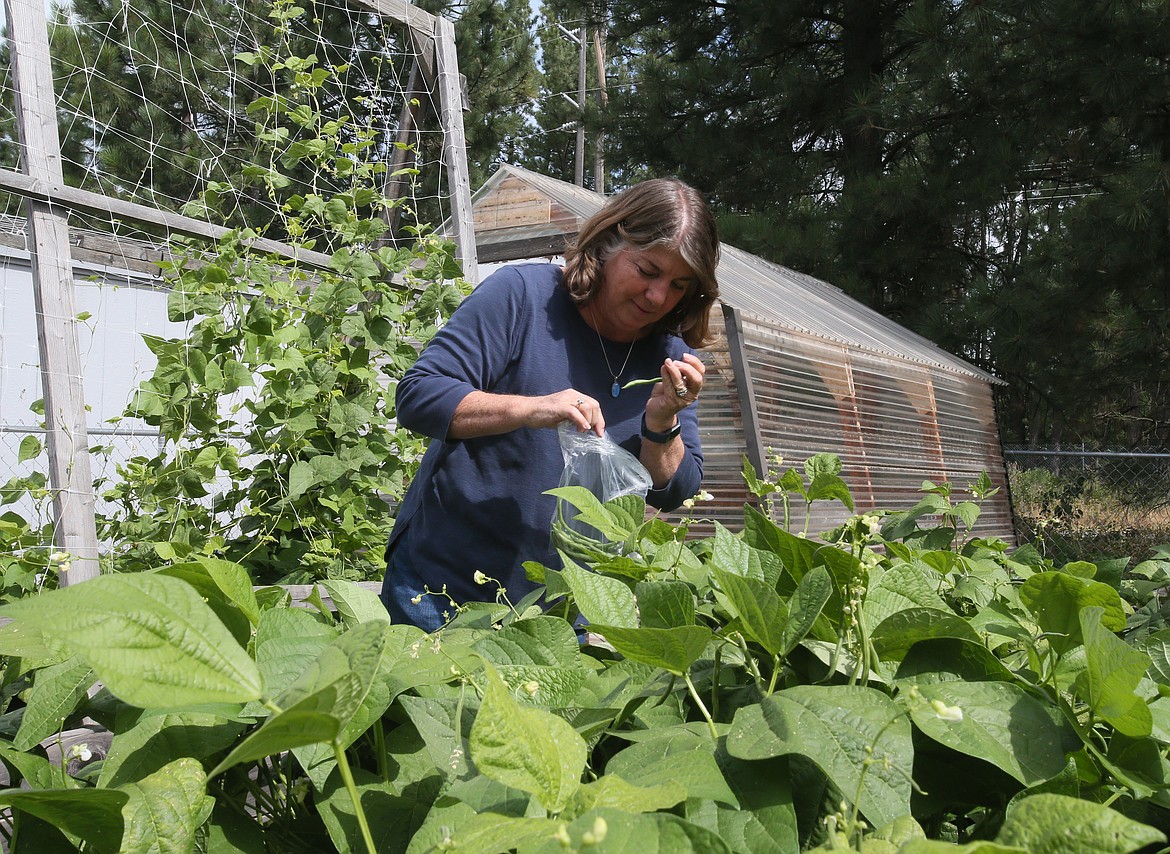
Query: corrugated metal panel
x=801 y=303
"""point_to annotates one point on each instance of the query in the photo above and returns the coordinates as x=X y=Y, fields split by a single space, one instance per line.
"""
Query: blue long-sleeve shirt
x=478 y=504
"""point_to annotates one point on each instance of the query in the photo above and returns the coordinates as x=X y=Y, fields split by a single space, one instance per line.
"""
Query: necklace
x=616 y=388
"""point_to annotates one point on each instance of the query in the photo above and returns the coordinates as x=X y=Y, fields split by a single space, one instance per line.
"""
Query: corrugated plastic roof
x=777 y=294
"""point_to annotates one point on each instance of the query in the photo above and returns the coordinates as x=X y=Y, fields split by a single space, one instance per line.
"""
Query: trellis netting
x=315 y=133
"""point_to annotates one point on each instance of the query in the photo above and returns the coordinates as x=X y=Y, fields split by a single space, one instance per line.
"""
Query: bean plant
x=894 y=685
x=28 y=563
x=275 y=409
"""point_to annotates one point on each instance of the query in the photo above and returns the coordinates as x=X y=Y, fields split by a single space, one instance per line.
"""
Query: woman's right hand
x=569 y=405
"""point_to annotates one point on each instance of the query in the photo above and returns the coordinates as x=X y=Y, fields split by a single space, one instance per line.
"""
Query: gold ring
x=681 y=389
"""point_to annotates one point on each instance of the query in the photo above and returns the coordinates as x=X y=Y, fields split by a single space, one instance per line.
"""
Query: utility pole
x=602 y=102
x=579 y=162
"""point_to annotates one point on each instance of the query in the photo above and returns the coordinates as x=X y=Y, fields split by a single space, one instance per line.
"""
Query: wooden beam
x=423 y=45
x=53 y=192
x=75 y=529
x=749 y=412
x=513 y=250
x=421 y=23
x=104 y=250
x=396 y=183
x=602 y=105
x=455 y=146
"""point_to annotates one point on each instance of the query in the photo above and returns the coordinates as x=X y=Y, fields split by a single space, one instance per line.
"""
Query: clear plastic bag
x=600 y=465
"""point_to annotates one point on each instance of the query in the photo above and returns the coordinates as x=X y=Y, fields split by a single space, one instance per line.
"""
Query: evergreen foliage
x=551 y=150
x=497 y=55
x=992 y=175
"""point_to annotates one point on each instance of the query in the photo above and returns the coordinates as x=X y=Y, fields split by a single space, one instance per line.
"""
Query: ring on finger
x=681 y=389
x=580 y=401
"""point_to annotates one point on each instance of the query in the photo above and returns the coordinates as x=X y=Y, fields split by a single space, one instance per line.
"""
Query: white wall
x=121 y=307
x=113 y=355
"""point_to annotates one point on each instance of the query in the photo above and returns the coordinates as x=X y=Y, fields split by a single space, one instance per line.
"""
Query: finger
x=590 y=414
x=695 y=366
x=691 y=369
x=578 y=415
x=593 y=413
x=690 y=383
x=679 y=380
x=662 y=389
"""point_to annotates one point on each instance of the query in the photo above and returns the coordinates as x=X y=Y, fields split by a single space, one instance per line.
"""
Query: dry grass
x=1080 y=516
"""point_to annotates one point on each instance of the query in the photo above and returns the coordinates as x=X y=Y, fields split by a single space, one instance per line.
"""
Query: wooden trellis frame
x=48 y=199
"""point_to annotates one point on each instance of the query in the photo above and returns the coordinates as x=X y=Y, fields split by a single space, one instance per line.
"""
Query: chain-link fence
x=1089 y=504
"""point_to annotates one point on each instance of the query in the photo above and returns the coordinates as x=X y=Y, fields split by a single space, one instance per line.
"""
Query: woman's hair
x=659 y=212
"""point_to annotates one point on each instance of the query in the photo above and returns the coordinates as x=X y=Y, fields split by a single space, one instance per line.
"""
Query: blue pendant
x=615 y=389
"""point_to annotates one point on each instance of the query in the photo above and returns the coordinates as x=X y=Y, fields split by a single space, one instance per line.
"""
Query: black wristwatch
x=660 y=438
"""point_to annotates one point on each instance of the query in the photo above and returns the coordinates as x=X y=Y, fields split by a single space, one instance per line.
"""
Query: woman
x=536 y=345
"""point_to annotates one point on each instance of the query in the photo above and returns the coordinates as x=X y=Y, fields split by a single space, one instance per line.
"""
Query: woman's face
x=639 y=287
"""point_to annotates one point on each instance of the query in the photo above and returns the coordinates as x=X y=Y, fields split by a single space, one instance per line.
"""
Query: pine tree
x=990 y=174
x=497 y=55
x=551 y=147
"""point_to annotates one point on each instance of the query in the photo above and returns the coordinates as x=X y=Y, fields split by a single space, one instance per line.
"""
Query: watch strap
x=657 y=437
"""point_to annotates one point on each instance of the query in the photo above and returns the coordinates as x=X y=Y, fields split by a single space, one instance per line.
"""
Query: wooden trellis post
x=434 y=40
x=52 y=269
x=455 y=145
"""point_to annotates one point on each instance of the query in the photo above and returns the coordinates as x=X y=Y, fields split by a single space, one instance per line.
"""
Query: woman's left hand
x=682 y=380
